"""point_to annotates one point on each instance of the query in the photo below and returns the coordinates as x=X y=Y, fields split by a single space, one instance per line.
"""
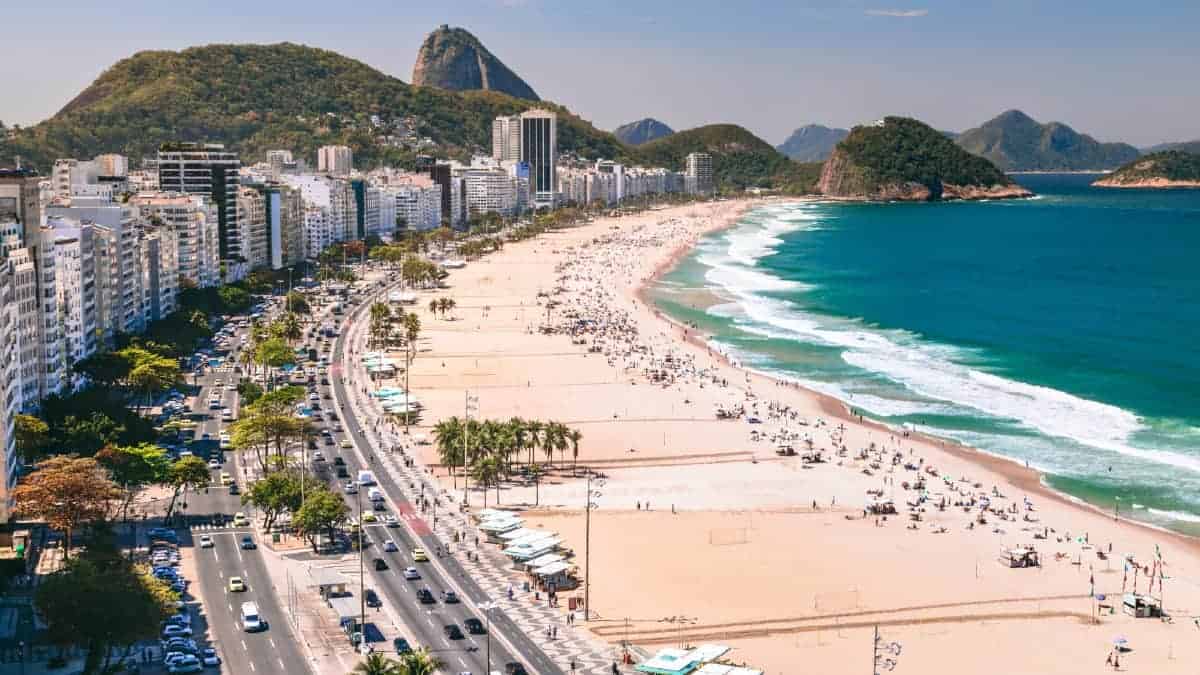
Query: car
x=174 y=630
x=178 y=620
x=419 y=555
x=248 y=543
x=318 y=456
x=233 y=489
x=338 y=461
x=369 y=517
x=425 y=596
x=226 y=479
x=378 y=506
x=188 y=664
x=174 y=656
x=180 y=645
x=380 y=564
x=514 y=668
x=179 y=585
x=214 y=463
x=206 y=541
x=401 y=646
x=350 y=487
x=372 y=598
x=210 y=658
x=342 y=472
x=449 y=597
x=239 y=519
x=390 y=546
x=453 y=632
x=236 y=585
x=474 y=626
x=411 y=573
x=314 y=396
x=345 y=444
x=329 y=440
x=390 y=520
x=162 y=534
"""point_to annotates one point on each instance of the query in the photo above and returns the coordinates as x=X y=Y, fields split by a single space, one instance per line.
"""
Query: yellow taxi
x=236 y=585
x=419 y=555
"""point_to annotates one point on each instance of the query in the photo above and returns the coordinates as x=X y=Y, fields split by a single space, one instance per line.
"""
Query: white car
x=411 y=573
x=391 y=521
x=206 y=541
x=210 y=657
x=390 y=546
x=172 y=630
x=351 y=487
x=214 y=463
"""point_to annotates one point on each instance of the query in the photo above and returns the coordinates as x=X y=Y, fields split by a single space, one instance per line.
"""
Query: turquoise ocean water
x=1062 y=331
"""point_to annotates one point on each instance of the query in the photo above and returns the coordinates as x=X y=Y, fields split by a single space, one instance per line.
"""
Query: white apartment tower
x=506 y=138
x=699 y=173
x=335 y=160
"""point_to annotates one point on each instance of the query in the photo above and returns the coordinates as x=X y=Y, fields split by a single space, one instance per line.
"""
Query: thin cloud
x=898 y=13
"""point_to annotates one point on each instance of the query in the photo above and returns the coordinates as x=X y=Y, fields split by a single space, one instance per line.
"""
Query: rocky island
x=1170 y=169
x=901 y=159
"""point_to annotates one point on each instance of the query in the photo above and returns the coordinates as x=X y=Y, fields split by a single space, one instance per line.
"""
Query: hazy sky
x=1118 y=70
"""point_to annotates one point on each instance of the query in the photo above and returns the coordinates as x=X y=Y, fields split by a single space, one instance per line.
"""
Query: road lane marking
x=272 y=641
x=252 y=666
x=281 y=664
x=244 y=646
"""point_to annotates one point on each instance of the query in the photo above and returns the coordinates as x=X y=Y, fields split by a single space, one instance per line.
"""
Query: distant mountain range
x=812 y=143
x=642 y=131
x=1014 y=141
x=454 y=59
x=1187 y=146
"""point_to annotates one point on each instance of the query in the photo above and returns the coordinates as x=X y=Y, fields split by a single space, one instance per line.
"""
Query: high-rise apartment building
x=75 y=277
x=20 y=200
x=159 y=250
x=209 y=169
x=698 y=173
x=335 y=160
x=194 y=219
x=10 y=387
x=506 y=138
x=252 y=212
x=539 y=149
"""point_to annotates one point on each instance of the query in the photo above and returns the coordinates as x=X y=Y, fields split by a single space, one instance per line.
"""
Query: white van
x=375 y=495
x=251 y=621
x=366 y=478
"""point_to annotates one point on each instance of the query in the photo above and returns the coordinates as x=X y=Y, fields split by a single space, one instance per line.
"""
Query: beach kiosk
x=1020 y=557
x=1141 y=606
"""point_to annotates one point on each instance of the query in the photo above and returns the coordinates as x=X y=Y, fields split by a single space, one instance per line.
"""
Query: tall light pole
x=883 y=653
x=362 y=600
x=487 y=616
x=587 y=542
x=470 y=405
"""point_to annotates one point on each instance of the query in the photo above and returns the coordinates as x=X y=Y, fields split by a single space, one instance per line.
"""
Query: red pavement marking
x=418 y=524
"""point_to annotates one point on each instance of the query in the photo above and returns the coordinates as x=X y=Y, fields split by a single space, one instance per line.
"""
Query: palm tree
x=520 y=433
x=535 y=472
x=449 y=436
x=534 y=428
x=378 y=664
x=434 y=305
x=574 y=436
x=419 y=662
x=412 y=330
x=487 y=473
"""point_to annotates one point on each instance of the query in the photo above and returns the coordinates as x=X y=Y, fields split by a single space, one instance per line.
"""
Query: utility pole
x=362 y=599
x=883 y=653
x=470 y=404
x=587 y=543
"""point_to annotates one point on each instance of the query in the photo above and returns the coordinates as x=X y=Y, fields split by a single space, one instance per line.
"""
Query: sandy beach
x=774 y=555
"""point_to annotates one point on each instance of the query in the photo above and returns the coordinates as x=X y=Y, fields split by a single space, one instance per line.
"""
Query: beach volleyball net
x=728 y=536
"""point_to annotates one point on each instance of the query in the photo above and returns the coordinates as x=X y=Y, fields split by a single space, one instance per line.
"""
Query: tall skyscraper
x=506 y=138
x=539 y=149
x=335 y=160
x=699 y=173
x=20 y=201
x=209 y=169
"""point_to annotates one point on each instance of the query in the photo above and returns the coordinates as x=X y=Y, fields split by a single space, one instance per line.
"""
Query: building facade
x=699 y=173
x=539 y=150
x=335 y=160
x=210 y=170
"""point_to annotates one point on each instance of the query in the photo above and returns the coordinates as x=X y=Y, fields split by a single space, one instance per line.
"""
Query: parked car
x=401 y=646
x=210 y=658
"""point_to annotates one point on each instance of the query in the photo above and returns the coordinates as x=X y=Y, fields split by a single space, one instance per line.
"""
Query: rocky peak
x=454 y=59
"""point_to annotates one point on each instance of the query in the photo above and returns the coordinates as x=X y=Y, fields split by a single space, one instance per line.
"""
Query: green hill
x=740 y=159
x=1172 y=168
x=903 y=159
x=1014 y=141
x=258 y=97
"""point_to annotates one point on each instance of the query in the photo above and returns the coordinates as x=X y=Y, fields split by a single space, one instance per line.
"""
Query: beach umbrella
x=1120 y=641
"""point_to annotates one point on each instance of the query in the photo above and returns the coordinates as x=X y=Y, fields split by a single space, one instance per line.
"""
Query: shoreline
x=1010 y=468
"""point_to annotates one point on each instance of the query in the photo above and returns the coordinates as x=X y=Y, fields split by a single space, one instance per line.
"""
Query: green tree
x=412 y=330
x=249 y=391
x=104 y=369
x=322 y=511
x=184 y=473
x=297 y=303
x=419 y=662
x=487 y=472
x=573 y=437
x=102 y=604
x=275 y=494
x=32 y=437
x=149 y=373
x=134 y=467
x=377 y=664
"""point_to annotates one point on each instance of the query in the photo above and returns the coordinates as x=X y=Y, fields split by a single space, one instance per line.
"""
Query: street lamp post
x=883 y=653
x=487 y=617
x=362 y=599
x=587 y=542
x=470 y=405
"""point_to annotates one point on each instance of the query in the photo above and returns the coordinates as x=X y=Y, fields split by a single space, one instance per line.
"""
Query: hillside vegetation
x=258 y=97
x=1161 y=169
x=740 y=159
x=903 y=150
x=1014 y=141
